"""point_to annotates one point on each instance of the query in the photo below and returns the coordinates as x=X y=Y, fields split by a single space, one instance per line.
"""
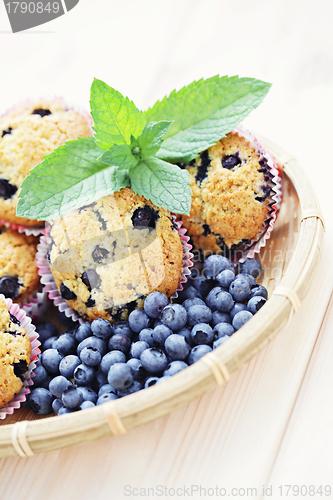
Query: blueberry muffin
x=230 y=190
x=18 y=271
x=28 y=133
x=15 y=354
x=107 y=256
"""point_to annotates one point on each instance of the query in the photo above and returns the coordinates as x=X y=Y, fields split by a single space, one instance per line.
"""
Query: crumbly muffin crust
x=107 y=256
x=229 y=195
x=18 y=270
x=28 y=133
x=15 y=354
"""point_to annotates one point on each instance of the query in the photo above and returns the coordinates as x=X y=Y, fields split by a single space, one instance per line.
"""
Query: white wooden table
x=272 y=424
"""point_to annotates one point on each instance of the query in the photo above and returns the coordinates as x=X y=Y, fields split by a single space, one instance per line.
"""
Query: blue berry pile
x=99 y=362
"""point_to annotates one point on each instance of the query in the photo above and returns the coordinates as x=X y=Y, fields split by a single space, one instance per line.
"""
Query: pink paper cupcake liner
x=53 y=293
x=34 y=230
x=274 y=200
x=25 y=321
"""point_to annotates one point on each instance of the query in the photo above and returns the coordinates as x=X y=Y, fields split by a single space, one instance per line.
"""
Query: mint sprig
x=132 y=148
x=204 y=112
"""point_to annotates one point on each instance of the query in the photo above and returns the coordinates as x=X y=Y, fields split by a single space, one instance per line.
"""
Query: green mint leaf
x=203 y=112
x=121 y=157
x=115 y=117
x=68 y=178
x=164 y=184
x=152 y=137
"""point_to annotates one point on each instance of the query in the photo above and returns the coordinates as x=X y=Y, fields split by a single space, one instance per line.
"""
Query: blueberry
x=199 y=314
x=163 y=379
x=154 y=360
x=101 y=328
x=259 y=291
x=189 y=293
x=251 y=266
x=222 y=329
x=176 y=347
x=197 y=352
x=72 y=397
x=40 y=401
x=138 y=371
x=64 y=411
x=45 y=384
x=87 y=404
x=56 y=405
x=90 y=356
x=138 y=320
x=14 y=319
x=7 y=190
x=120 y=376
x=255 y=303
x=174 y=316
x=107 y=389
x=84 y=374
x=7 y=132
x=88 y=394
x=68 y=364
x=105 y=398
x=51 y=359
x=90 y=302
x=46 y=330
x=110 y=359
x=120 y=342
x=82 y=332
x=138 y=347
x=186 y=333
x=231 y=161
x=214 y=264
x=241 y=318
x=157 y=322
x=220 y=341
x=144 y=217
x=9 y=287
x=91 y=279
x=203 y=285
x=65 y=343
x=135 y=387
x=161 y=333
x=221 y=317
x=250 y=279
x=99 y=254
x=42 y=112
x=146 y=335
x=66 y=293
x=40 y=375
x=237 y=307
x=151 y=381
x=123 y=328
x=92 y=342
x=202 y=169
x=174 y=367
x=202 y=334
x=99 y=380
x=58 y=385
x=218 y=299
x=225 y=278
x=48 y=343
x=193 y=302
x=155 y=303
x=266 y=191
x=239 y=289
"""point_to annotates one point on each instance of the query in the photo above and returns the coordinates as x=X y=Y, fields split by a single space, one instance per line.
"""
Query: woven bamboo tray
x=289 y=262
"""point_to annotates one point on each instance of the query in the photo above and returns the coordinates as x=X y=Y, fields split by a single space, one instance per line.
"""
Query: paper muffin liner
x=39 y=230
x=25 y=321
x=274 y=199
x=51 y=289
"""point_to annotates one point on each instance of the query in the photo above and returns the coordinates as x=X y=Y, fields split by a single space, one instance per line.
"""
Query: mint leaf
x=120 y=156
x=203 y=112
x=164 y=184
x=152 y=137
x=68 y=178
x=115 y=117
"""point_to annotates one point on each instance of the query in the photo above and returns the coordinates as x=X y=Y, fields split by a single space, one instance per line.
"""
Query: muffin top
x=27 y=133
x=15 y=354
x=107 y=256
